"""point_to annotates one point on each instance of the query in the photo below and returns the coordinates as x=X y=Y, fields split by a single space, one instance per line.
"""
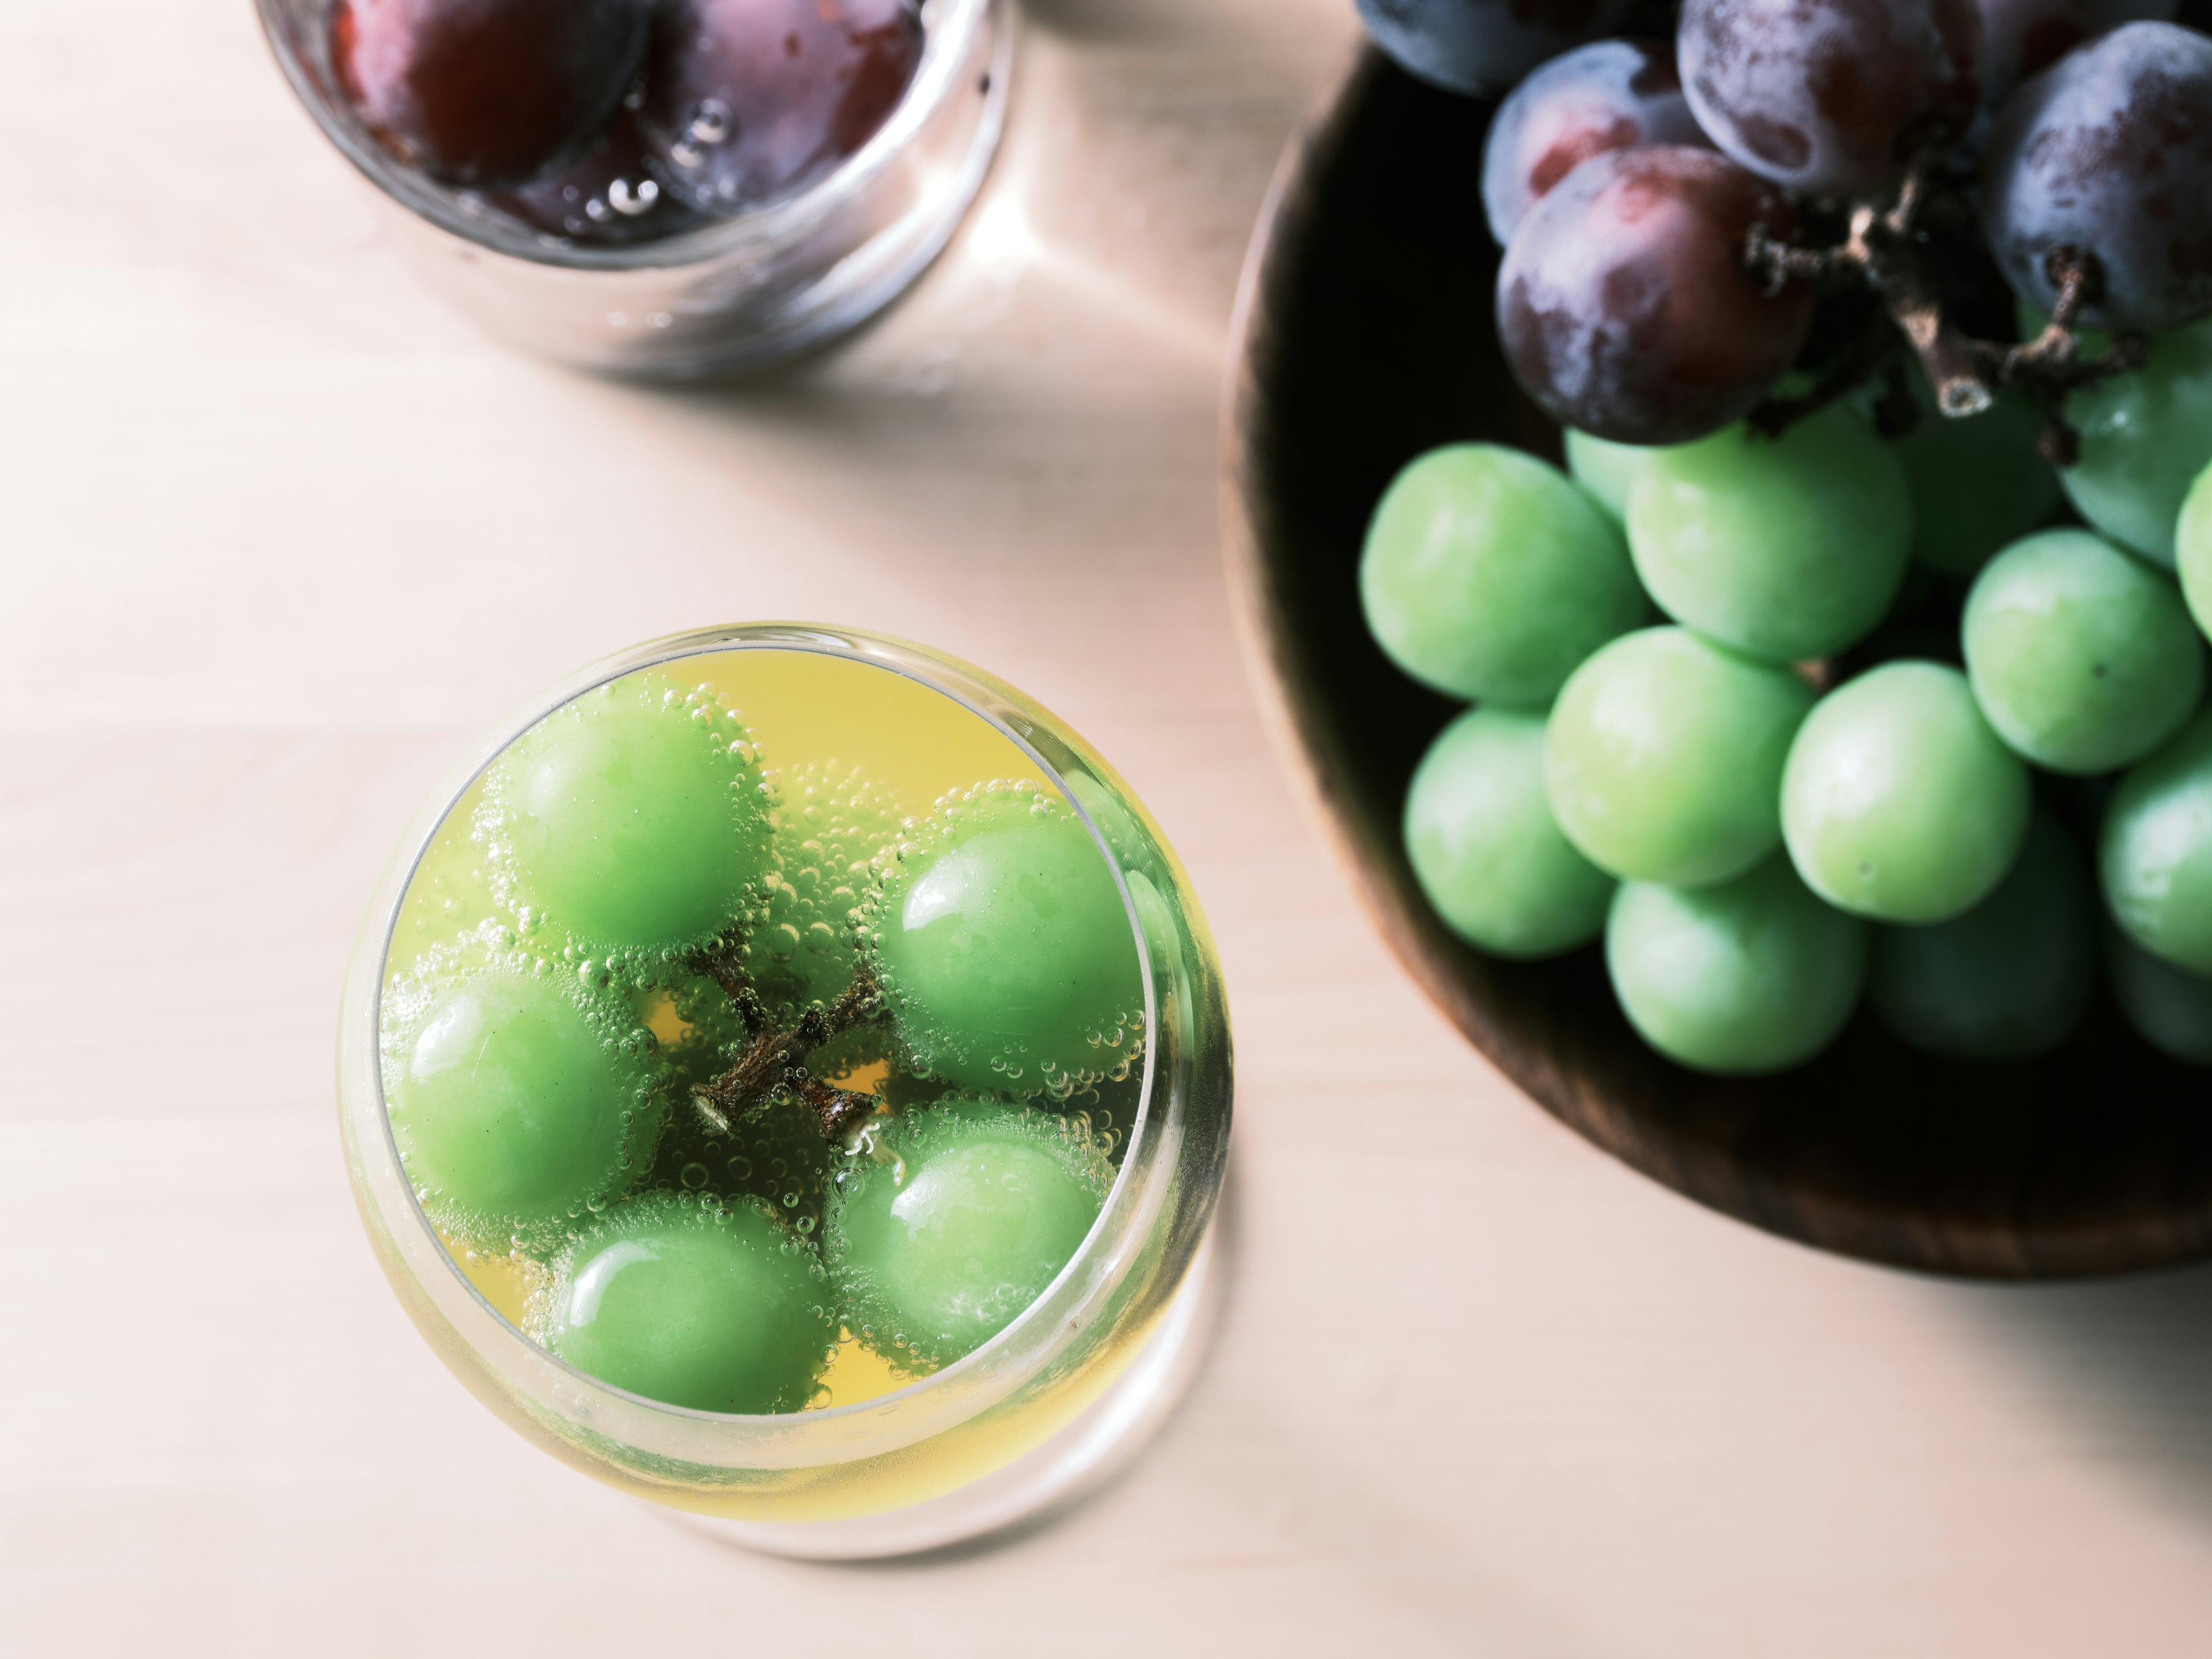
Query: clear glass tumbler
x=734 y=294
x=1019 y=1426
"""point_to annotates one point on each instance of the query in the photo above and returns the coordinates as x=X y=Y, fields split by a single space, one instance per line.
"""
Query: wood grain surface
x=279 y=537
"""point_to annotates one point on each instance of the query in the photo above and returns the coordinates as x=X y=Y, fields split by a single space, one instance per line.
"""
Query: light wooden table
x=280 y=535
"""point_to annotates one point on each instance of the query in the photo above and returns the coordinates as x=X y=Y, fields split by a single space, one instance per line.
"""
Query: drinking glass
x=734 y=294
x=1022 y=1424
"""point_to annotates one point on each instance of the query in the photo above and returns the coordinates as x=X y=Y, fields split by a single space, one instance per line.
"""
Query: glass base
x=1074 y=1462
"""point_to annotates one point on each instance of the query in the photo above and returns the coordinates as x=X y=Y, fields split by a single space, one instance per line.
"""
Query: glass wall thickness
x=943 y=1432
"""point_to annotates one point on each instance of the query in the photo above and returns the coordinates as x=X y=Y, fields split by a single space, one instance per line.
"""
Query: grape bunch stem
x=1880 y=249
x=774 y=1060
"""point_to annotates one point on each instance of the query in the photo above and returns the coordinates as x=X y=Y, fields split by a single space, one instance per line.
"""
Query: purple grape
x=751 y=100
x=605 y=198
x=1481 y=46
x=484 y=94
x=1624 y=306
x=2110 y=152
x=1616 y=94
x=2021 y=38
x=1830 y=97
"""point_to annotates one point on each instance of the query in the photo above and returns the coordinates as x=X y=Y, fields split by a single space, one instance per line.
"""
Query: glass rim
x=821 y=640
x=769 y=225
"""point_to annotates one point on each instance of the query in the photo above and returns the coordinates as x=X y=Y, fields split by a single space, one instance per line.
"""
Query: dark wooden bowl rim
x=1363 y=336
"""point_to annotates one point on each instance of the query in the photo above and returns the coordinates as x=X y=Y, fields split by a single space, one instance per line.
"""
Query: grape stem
x=2051 y=366
x=1882 y=249
x=774 y=1060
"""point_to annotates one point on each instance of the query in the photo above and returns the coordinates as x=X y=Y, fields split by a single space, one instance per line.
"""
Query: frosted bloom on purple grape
x=1624 y=305
x=2111 y=152
x=1830 y=97
x=2021 y=38
x=1616 y=94
x=1482 y=46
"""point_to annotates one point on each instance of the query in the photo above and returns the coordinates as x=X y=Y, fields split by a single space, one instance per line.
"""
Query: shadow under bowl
x=1366 y=337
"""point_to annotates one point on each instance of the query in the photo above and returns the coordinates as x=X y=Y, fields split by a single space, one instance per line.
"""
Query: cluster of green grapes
x=748 y=1063
x=1768 y=808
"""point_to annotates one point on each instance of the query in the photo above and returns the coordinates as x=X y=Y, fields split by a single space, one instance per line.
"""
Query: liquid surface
x=712 y=954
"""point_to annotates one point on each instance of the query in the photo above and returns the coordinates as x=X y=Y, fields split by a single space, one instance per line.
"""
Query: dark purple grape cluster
x=1626 y=299
x=605 y=123
x=1818 y=185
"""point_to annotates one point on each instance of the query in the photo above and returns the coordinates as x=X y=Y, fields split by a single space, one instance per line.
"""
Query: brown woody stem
x=775 y=1059
x=1881 y=250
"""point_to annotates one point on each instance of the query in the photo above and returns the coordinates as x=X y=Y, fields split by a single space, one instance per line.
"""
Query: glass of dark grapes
x=666 y=189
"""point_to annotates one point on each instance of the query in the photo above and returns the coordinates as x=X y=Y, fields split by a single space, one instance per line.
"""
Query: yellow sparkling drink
x=866 y=759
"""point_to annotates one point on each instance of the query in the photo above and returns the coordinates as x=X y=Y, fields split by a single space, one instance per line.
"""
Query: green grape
x=2155 y=852
x=1606 y=469
x=833 y=824
x=1663 y=759
x=957 y=1220
x=1755 y=974
x=2082 y=657
x=1900 y=803
x=2170 y=1006
x=1786 y=548
x=2193 y=550
x=633 y=816
x=2145 y=438
x=714 y=1308
x=2004 y=981
x=1977 y=483
x=1487 y=574
x=1485 y=848
x=1004 y=948
x=517 y=1097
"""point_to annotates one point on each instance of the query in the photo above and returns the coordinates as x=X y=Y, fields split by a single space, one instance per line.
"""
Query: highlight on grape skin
x=1489 y=575
x=636 y=817
x=1830 y=97
x=952 y=1222
x=2154 y=854
x=1485 y=848
x=750 y=101
x=1624 y=304
x=1004 y=949
x=1900 y=803
x=1753 y=976
x=2084 y=658
x=2145 y=438
x=702 y=1024
x=2110 y=152
x=1613 y=95
x=610 y=124
x=484 y=94
x=1784 y=548
x=1663 y=757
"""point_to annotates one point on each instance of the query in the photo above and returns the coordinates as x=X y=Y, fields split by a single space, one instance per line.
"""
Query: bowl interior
x=1367 y=338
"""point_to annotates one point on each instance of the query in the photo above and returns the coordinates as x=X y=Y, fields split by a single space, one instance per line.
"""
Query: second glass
x=716 y=294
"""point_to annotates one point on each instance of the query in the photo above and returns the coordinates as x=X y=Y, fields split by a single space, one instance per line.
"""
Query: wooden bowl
x=1366 y=337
